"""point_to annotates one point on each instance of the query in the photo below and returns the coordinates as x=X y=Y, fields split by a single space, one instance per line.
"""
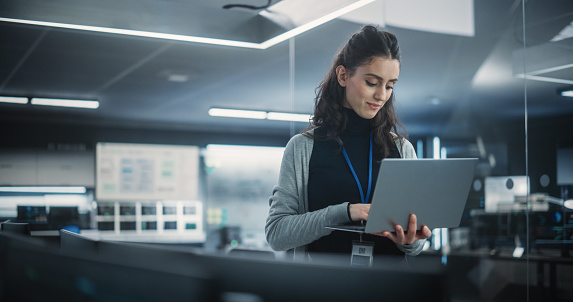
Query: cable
x=228 y=6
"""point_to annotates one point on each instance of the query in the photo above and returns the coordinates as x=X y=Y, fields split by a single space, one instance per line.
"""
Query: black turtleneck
x=331 y=182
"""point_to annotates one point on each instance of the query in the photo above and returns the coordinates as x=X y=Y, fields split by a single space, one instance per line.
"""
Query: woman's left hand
x=411 y=235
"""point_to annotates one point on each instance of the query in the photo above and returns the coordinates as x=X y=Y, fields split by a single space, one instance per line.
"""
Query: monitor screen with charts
x=436 y=190
x=146 y=172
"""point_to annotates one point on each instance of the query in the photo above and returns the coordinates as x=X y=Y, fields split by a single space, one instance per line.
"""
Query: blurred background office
x=180 y=110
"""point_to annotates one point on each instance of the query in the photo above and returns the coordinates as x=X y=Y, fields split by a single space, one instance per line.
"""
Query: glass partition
x=545 y=61
x=239 y=177
x=461 y=93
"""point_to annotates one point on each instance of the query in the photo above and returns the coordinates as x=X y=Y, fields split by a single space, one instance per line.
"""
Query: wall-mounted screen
x=146 y=172
x=565 y=166
x=502 y=190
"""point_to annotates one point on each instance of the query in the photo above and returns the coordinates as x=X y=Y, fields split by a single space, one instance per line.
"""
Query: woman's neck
x=356 y=124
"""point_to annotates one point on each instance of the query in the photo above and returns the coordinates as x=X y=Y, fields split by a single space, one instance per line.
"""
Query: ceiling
x=449 y=84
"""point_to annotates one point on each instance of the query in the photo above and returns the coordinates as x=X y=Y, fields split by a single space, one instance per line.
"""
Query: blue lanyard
x=364 y=200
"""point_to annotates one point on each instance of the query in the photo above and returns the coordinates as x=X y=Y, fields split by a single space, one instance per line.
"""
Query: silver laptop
x=436 y=190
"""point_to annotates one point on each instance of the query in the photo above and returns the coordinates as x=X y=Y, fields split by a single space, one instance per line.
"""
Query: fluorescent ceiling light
x=79 y=190
x=260 y=115
x=281 y=116
x=543 y=79
x=137 y=33
x=13 y=100
x=238 y=113
x=178 y=78
x=66 y=103
x=542 y=62
x=568 y=93
x=241 y=148
x=518 y=251
x=264 y=45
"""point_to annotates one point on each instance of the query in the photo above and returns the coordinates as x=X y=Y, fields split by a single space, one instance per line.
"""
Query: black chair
x=22 y=228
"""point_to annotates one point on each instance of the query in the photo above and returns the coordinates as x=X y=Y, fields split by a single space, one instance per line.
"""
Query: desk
x=45 y=233
x=165 y=237
x=171 y=236
x=542 y=273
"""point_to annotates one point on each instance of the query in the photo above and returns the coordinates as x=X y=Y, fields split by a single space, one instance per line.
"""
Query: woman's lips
x=374 y=106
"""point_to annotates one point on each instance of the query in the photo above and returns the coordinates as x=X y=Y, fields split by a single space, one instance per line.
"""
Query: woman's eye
x=371 y=84
x=390 y=87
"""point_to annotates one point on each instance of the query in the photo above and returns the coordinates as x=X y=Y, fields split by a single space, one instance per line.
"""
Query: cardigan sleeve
x=289 y=224
x=406 y=149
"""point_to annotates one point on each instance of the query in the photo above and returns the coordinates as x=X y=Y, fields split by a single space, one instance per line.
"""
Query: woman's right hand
x=359 y=211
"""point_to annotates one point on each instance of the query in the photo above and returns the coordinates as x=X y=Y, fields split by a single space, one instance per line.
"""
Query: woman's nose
x=380 y=94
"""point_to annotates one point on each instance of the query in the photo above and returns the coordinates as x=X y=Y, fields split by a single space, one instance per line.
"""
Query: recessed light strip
x=13 y=100
x=78 y=190
x=544 y=79
x=552 y=69
x=264 y=45
x=252 y=114
x=137 y=33
x=89 y=104
x=281 y=116
x=567 y=93
x=260 y=115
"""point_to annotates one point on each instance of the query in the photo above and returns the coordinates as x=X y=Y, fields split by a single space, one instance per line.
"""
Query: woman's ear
x=341 y=75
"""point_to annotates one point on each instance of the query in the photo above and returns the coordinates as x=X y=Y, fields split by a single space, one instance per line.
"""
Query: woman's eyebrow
x=380 y=78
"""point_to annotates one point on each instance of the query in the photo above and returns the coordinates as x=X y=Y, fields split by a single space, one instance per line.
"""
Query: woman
x=353 y=115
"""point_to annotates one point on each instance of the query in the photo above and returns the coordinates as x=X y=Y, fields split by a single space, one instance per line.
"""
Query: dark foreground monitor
x=139 y=272
x=21 y=228
x=75 y=244
x=242 y=277
x=33 y=273
x=326 y=280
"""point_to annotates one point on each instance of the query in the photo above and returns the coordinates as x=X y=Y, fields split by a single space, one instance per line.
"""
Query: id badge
x=362 y=253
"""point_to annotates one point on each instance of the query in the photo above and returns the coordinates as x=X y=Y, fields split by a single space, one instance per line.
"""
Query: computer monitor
x=35 y=273
x=20 y=228
x=62 y=216
x=75 y=244
x=565 y=166
x=32 y=214
x=327 y=280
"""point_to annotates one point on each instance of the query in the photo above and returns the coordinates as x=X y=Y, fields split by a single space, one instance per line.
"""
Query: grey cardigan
x=290 y=224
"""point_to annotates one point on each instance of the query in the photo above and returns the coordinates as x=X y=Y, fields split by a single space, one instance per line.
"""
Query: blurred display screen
x=32 y=214
x=503 y=190
x=565 y=166
x=146 y=172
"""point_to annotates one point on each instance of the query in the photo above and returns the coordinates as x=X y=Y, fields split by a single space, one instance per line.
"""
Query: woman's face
x=370 y=87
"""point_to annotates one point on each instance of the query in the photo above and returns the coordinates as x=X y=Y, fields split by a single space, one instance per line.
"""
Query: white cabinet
x=66 y=168
x=47 y=168
x=18 y=168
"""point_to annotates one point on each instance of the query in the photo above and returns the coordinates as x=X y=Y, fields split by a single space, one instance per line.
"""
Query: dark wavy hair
x=362 y=48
